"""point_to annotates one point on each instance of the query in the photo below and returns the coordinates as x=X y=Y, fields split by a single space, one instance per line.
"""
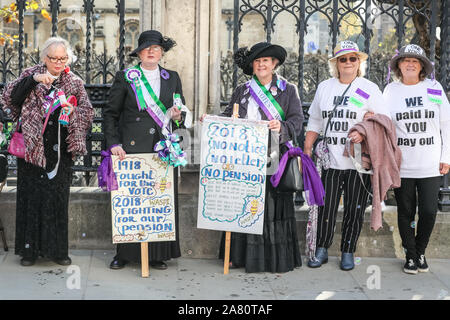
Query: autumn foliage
x=10 y=14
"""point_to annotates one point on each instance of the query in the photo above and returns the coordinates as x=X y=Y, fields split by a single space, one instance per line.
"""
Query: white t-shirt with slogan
x=421 y=114
x=362 y=96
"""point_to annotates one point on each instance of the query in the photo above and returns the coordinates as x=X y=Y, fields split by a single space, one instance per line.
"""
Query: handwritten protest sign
x=143 y=207
x=232 y=175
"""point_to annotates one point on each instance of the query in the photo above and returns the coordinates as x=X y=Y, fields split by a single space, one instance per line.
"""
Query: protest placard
x=143 y=207
x=232 y=175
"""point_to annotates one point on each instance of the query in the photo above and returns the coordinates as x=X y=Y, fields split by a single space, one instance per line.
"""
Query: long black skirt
x=42 y=204
x=157 y=251
x=277 y=249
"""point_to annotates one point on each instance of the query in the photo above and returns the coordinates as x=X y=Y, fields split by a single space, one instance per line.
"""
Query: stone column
x=214 y=57
x=151 y=15
x=195 y=26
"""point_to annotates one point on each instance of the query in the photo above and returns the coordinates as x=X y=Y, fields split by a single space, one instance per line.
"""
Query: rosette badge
x=132 y=74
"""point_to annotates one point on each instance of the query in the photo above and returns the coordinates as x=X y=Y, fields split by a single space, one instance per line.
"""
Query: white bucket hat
x=345 y=47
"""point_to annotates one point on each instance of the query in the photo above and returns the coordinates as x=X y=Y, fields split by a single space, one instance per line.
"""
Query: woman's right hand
x=118 y=151
x=203 y=117
x=368 y=114
x=43 y=78
x=308 y=152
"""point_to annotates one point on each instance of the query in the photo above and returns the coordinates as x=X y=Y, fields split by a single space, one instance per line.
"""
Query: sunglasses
x=344 y=59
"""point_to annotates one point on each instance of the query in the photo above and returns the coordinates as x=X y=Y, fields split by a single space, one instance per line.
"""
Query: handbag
x=292 y=179
x=322 y=152
x=17 y=145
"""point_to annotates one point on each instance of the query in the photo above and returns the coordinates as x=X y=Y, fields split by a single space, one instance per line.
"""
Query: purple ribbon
x=434 y=92
x=346 y=49
x=106 y=176
x=311 y=179
x=389 y=66
x=155 y=117
x=362 y=94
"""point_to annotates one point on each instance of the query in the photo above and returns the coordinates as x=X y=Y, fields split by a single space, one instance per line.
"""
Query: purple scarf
x=106 y=177
x=311 y=180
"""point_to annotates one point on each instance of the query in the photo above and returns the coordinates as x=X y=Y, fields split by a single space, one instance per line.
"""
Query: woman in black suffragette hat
x=421 y=114
x=131 y=129
x=277 y=249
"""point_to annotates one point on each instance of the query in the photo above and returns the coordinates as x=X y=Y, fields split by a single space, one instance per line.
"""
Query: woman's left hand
x=175 y=113
x=443 y=168
x=68 y=109
x=275 y=125
x=356 y=137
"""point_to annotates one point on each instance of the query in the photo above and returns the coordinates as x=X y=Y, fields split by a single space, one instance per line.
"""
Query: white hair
x=57 y=41
x=334 y=72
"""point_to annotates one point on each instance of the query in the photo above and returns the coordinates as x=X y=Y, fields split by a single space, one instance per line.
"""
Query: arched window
x=131 y=34
x=71 y=30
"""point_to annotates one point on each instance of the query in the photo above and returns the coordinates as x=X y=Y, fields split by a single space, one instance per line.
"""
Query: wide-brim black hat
x=244 y=57
x=152 y=37
x=412 y=51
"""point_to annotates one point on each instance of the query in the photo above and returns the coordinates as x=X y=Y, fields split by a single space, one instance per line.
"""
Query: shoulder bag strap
x=335 y=106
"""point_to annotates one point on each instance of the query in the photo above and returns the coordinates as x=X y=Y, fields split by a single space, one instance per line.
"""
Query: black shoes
x=26 y=262
x=410 y=266
x=117 y=264
x=159 y=265
x=64 y=261
x=422 y=265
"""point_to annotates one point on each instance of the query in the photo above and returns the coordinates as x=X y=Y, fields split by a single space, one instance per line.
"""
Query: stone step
x=90 y=227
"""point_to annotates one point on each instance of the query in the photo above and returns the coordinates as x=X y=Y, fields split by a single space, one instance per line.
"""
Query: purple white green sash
x=265 y=100
x=146 y=98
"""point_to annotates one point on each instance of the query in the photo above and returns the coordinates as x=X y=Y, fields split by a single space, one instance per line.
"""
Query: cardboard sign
x=143 y=208
x=232 y=175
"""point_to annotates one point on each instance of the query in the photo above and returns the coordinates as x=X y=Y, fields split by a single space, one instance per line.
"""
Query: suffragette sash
x=265 y=100
x=145 y=96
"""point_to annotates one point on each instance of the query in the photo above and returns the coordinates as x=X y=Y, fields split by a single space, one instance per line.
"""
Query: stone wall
x=90 y=225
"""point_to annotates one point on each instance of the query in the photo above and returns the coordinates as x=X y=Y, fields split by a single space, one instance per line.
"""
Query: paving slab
x=89 y=278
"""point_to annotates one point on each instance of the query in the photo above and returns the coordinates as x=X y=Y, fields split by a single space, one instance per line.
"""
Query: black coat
x=135 y=130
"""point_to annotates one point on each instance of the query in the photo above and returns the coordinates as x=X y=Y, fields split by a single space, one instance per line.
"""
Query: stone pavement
x=89 y=278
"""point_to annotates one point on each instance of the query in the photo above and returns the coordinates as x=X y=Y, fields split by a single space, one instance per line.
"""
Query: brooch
x=164 y=74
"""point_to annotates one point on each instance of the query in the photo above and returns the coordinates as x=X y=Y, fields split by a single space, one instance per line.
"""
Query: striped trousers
x=335 y=183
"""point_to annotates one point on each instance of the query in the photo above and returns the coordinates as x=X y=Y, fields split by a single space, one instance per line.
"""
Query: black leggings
x=406 y=197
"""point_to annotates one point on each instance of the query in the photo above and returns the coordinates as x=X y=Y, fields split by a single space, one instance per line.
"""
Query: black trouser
x=355 y=199
x=427 y=196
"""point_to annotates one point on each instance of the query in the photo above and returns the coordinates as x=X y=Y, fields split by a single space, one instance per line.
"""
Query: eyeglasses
x=344 y=59
x=154 y=48
x=60 y=60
